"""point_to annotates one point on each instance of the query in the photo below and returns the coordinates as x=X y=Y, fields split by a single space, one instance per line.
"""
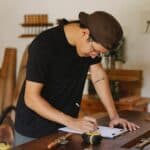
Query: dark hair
x=64 y=21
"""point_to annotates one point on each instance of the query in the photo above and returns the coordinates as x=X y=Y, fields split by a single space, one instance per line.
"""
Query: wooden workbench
x=76 y=142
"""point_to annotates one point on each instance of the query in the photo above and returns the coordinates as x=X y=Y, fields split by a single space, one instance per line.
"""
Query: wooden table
x=76 y=142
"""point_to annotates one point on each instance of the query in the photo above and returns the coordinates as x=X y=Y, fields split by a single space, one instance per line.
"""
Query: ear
x=85 y=32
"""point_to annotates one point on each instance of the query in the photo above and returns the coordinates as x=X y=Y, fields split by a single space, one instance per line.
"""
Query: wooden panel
x=130 y=81
x=10 y=78
x=7 y=77
x=21 y=76
x=7 y=84
x=91 y=104
x=125 y=75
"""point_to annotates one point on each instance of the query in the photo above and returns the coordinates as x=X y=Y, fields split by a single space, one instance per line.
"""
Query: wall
x=131 y=14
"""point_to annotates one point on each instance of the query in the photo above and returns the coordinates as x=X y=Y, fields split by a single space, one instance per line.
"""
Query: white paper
x=106 y=132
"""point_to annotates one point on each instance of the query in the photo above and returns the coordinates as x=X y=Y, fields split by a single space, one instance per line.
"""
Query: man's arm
x=38 y=104
x=101 y=83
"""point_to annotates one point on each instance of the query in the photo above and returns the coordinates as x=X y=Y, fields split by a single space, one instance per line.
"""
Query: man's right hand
x=85 y=124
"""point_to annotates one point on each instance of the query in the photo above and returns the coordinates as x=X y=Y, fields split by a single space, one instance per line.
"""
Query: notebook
x=105 y=132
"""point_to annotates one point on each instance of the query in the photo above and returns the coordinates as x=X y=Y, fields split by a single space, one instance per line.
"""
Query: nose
x=94 y=54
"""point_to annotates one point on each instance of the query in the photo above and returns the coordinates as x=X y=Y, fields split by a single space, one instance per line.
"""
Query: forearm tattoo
x=95 y=82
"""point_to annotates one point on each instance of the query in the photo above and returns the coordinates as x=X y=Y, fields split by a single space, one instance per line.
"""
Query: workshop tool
x=139 y=142
x=60 y=140
x=143 y=142
x=91 y=137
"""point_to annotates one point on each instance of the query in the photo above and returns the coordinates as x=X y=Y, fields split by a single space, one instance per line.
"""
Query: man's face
x=89 y=48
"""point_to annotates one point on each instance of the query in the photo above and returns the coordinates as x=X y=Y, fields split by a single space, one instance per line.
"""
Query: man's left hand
x=124 y=123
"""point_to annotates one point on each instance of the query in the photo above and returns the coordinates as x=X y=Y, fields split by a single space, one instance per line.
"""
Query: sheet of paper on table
x=105 y=132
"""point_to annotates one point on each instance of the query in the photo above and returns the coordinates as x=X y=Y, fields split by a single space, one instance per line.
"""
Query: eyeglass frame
x=91 y=40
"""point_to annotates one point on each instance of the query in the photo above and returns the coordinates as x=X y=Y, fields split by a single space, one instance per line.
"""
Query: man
x=58 y=62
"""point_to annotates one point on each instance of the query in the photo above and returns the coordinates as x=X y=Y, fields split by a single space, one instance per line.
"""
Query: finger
x=124 y=125
x=90 y=119
x=135 y=126
x=94 y=127
x=88 y=129
x=88 y=126
x=130 y=126
x=85 y=128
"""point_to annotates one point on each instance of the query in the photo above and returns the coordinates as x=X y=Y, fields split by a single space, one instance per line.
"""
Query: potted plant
x=115 y=55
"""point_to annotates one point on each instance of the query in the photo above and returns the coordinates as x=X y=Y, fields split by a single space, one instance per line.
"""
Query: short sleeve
x=37 y=66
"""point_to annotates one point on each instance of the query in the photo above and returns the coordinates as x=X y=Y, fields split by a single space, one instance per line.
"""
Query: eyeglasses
x=90 y=40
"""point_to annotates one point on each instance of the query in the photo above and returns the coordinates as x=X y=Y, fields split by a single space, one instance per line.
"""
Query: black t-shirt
x=55 y=63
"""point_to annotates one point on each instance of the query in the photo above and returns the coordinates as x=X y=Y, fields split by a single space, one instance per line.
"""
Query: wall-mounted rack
x=147 y=26
x=34 y=24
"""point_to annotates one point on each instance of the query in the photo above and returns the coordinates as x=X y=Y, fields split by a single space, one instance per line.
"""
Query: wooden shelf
x=36 y=25
x=27 y=35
